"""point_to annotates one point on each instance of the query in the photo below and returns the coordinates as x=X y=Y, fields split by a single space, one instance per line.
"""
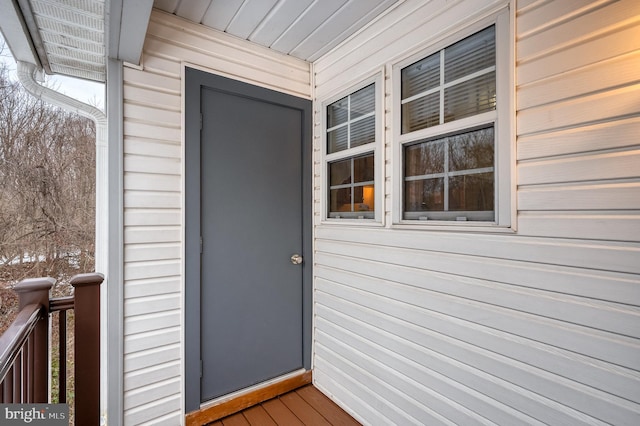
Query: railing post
x=87 y=347
x=36 y=290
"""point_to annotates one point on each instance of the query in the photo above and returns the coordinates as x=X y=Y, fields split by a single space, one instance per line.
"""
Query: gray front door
x=251 y=224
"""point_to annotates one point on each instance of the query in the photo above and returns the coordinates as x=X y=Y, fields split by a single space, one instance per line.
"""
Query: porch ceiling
x=75 y=37
x=305 y=29
x=65 y=37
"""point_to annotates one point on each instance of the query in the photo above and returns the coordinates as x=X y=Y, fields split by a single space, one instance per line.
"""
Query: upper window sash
x=351 y=120
x=455 y=82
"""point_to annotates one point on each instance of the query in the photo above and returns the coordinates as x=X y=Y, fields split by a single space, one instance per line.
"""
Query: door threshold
x=226 y=405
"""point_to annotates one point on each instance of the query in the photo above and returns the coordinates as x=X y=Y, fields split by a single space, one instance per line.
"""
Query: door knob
x=296 y=259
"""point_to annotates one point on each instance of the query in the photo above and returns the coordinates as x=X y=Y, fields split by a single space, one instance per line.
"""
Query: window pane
x=471 y=192
x=363 y=198
x=421 y=76
x=363 y=132
x=472 y=97
x=363 y=102
x=337 y=112
x=363 y=169
x=464 y=99
x=471 y=150
x=424 y=195
x=340 y=200
x=337 y=140
x=472 y=54
x=421 y=113
x=340 y=172
x=424 y=158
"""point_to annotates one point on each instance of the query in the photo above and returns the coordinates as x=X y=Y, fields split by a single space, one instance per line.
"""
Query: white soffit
x=14 y=31
x=305 y=29
x=68 y=35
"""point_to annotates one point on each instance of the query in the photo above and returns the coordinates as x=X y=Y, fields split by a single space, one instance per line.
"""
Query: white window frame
x=503 y=118
x=377 y=148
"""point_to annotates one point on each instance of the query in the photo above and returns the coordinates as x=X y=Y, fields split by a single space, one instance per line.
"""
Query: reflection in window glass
x=471 y=192
x=471 y=150
x=451 y=178
x=424 y=159
x=424 y=195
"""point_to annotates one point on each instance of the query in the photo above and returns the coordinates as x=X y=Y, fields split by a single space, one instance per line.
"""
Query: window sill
x=451 y=226
x=351 y=222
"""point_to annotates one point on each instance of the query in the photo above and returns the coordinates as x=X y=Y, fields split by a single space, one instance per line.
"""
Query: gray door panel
x=248 y=194
x=251 y=224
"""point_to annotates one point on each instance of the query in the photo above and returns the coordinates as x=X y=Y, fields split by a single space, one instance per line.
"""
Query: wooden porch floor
x=303 y=406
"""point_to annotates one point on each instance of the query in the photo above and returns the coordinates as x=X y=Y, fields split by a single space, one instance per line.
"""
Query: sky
x=83 y=90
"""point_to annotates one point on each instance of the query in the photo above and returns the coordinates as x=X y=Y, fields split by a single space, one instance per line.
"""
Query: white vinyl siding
x=575 y=85
x=153 y=199
x=537 y=326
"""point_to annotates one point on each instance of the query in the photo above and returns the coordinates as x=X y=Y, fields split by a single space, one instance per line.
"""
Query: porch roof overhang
x=75 y=37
